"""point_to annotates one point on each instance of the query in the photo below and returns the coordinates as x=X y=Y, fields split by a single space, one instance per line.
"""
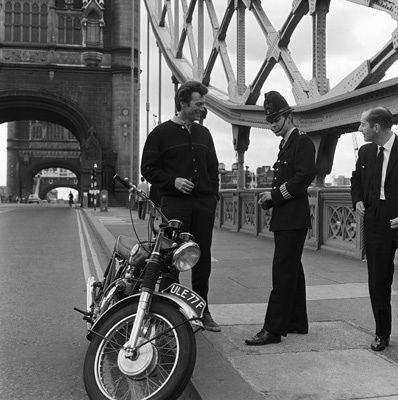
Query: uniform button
x=279 y=161
x=274 y=187
x=277 y=169
x=275 y=178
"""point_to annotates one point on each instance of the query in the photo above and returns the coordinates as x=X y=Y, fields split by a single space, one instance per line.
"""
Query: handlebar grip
x=125 y=182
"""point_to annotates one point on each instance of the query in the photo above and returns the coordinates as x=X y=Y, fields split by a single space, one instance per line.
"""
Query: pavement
x=333 y=362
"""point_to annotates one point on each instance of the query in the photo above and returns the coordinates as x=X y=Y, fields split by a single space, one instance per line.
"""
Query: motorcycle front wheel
x=161 y=369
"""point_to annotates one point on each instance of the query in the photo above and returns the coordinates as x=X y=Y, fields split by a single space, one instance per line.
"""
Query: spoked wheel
x=161 y=368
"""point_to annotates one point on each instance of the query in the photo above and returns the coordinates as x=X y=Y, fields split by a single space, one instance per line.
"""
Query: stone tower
x=69 y=62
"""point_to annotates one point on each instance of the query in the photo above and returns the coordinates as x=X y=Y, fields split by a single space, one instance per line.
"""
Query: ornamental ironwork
x=341 y=223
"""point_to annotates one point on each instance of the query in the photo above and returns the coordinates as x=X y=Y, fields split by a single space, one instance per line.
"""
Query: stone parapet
x=335 y=225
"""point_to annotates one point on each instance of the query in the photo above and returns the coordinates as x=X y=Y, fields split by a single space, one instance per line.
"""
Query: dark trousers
x=287 y=309
x=381 y=243
x=141 y=209
x=197 y=215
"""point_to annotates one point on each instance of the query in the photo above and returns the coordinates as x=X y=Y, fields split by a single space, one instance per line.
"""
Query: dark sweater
x=172 y=152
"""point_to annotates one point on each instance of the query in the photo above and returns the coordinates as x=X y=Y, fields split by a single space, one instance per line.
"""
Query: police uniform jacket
x=362 y=178
x=294 y=171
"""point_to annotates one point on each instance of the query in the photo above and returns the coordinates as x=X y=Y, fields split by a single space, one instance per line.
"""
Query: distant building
x=56 y=173
x=3 y=194
x=229 y=178
x=341 y=180
x=264 y=176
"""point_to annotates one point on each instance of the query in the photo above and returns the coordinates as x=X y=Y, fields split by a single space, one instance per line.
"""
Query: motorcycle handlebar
x=128 y=185
x=125 y=182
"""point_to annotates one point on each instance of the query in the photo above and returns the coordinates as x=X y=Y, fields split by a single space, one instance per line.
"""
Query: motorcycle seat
x=123 y=246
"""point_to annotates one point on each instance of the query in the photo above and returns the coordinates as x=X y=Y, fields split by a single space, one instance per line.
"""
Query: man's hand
x=394 y=223
x=183 y=185
x=264 y=196
x=360 y=208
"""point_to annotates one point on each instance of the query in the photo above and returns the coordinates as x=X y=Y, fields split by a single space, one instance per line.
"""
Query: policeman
x=294 y=171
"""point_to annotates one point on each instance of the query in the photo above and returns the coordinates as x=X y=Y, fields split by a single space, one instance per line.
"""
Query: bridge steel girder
x=340 y=113
x=324 y=114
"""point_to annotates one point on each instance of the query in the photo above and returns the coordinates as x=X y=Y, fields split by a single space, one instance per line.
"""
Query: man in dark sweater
x=180 y=159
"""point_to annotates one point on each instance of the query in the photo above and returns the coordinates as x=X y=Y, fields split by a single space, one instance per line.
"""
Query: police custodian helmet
x=275 y=105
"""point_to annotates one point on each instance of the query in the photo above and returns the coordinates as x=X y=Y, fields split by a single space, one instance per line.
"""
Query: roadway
x=47 y=251
x=332 y=362
x=44 y=260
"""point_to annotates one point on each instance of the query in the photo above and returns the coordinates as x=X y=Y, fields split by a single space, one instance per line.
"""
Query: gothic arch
x=19 y=105
x=69 y=165
x=48 y=188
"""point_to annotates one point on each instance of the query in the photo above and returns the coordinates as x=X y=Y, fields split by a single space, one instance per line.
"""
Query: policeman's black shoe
x=262 y=338
x=380 y=344
x=297 y=331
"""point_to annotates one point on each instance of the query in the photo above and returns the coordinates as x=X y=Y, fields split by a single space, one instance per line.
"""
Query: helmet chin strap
x=284 y=122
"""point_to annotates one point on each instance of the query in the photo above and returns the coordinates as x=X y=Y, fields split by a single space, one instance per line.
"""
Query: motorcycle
x=141 y=321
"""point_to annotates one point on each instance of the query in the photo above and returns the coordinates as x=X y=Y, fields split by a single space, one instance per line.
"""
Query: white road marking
x=86 y=268
x=91 y=247
x=115 y=220
x=253 y=313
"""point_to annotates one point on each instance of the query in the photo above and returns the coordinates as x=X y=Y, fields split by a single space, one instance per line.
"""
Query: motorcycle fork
x=142 y=309
x=148 y=286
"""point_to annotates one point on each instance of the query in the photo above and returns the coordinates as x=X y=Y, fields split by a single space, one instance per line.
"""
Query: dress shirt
x=386 y=154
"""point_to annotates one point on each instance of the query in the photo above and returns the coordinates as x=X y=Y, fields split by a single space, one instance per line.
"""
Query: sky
x=351 y=39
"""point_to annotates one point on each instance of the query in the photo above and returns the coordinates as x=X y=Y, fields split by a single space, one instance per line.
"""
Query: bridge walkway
x=332 y=362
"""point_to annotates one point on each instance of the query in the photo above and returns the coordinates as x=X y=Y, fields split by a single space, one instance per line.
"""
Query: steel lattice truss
x=183 y=44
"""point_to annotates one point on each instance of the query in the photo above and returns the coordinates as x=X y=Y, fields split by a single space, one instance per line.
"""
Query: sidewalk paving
x=332 y=362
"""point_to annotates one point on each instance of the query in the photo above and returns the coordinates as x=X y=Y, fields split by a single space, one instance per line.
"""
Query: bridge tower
x=69 y=62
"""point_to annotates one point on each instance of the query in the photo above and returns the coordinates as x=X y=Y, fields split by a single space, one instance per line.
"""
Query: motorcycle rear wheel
x=161 y=371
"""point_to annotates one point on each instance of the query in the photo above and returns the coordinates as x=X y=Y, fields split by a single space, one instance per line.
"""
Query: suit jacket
x=294 y=171
x=362 y=177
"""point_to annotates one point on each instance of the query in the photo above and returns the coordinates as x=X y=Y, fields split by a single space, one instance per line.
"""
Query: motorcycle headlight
x=186 y=256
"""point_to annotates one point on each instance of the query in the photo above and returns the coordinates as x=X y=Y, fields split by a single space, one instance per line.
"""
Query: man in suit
x=294 y=171
x=374 y=191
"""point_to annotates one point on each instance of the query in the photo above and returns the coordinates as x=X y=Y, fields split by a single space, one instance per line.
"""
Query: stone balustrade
x=335 y=226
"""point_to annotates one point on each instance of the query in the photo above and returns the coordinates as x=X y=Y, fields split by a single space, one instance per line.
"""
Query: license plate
x=188 y=296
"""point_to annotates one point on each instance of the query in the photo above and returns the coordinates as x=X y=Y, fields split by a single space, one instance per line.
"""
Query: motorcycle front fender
x=185 y=309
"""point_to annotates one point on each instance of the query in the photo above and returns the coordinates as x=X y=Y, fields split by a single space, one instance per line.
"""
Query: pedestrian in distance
x=374 y=191
x=70 y=199
x=294 y=171
x=179 y=158
x=142 y=202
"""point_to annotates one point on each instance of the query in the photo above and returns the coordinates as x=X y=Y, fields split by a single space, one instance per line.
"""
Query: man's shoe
x=262 y=338
x=209 y=323
x=380 y=344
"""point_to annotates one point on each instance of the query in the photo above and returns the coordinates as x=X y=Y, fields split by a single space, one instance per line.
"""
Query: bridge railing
x=335 y=225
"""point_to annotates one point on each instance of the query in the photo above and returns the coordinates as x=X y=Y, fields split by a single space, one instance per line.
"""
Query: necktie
x=281 y=144
x=377 y=176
